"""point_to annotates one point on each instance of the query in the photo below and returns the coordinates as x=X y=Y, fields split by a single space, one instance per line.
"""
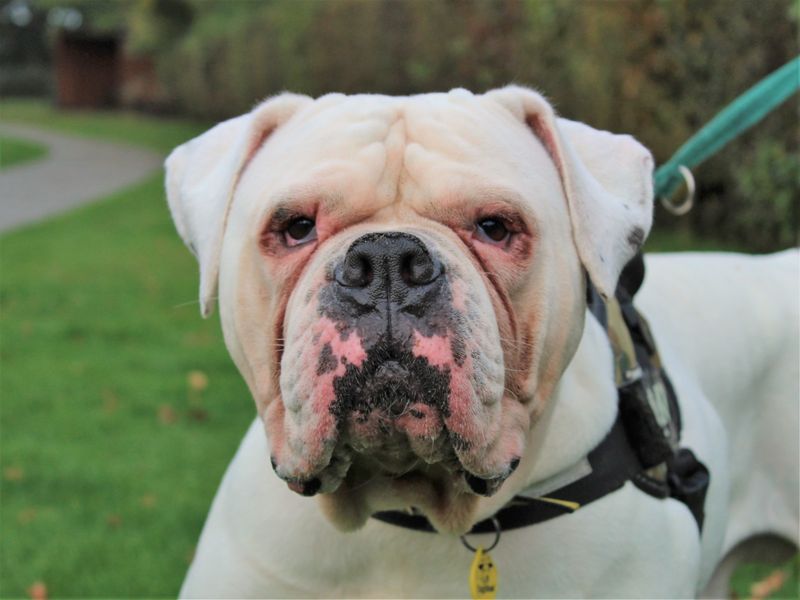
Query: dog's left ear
x=607 y=179
x=201 y=176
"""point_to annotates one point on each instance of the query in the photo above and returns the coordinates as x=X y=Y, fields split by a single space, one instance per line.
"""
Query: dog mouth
x=393 y=370
x=391 y=412
x=352 y=470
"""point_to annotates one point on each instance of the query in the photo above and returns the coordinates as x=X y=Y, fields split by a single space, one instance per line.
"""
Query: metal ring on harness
x=688 y=201
x=497 y=531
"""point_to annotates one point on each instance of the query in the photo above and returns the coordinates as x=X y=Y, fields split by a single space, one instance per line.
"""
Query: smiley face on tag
x=482 y=576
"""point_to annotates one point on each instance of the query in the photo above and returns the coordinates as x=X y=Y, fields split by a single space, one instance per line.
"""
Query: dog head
x=402 y=280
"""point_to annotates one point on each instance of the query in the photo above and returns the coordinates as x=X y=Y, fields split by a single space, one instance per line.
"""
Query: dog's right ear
x=607 y=180
x=201 y=176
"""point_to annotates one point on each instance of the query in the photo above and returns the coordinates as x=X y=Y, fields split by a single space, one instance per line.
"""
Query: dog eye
x=493 y=231
x=300 y=231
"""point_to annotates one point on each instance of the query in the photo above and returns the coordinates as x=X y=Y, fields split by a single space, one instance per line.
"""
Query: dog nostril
x=477 y=484
x=356 y=271
x=417 y=268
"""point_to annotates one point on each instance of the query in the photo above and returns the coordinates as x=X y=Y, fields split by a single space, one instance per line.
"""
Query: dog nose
x=389 y=263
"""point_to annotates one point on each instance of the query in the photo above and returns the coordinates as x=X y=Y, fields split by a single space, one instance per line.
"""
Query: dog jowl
x=393 y=368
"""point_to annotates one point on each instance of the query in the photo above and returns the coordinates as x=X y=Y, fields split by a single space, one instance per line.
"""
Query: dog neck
x=579 y=414
x=575 y=419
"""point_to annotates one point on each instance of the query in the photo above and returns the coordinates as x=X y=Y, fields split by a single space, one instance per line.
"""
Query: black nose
x=390 y=264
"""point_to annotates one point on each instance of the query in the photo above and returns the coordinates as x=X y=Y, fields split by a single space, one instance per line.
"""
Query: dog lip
x=309 y=487
x=489 y=486
x=483 y=487
x=477 y=484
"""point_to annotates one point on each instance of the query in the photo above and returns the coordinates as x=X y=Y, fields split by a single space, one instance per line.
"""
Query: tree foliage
x=658 y=69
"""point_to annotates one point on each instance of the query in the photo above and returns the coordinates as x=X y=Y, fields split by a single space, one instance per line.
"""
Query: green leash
x=741 y=114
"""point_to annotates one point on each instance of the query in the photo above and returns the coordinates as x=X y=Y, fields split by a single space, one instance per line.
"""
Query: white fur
x=733 y=345
x=726 y=327
x=202 y=175
x=608 y=182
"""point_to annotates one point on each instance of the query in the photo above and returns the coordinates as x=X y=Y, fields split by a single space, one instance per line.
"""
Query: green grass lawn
x=153 y=132
x=120 y=407
x=767 y=581
x=15 y=151
x=112 y=446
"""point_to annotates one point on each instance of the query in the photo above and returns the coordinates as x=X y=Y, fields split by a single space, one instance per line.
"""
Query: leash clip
x=688 y=480
x=680 y=209
x=497 y=531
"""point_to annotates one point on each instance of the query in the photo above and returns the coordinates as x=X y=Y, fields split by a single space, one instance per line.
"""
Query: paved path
x=75 y=171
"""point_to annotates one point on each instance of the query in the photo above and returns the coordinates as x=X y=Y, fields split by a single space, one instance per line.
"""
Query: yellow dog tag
x=482 y=576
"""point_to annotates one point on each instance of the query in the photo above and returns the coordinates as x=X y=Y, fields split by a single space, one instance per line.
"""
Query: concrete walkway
x=75 y=171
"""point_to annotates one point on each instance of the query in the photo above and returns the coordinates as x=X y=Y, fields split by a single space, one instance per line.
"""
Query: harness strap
x=641 y=447
x=613 y=462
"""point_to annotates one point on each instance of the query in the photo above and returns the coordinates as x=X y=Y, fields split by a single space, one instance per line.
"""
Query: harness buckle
x=688 y=481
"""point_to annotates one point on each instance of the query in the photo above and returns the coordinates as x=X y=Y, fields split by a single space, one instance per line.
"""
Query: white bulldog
x=402 y=284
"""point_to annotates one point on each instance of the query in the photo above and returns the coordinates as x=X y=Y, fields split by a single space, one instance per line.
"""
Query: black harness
x=642 y=445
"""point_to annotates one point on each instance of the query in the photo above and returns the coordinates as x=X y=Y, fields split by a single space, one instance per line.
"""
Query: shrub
x=656 y=69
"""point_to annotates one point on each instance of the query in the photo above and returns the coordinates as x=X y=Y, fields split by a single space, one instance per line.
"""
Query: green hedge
x=656 y=69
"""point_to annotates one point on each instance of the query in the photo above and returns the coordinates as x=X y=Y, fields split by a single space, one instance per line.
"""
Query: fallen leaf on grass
x=166 y=414
x=13 y=473
x=771 y=583
x=77 y=367
x=26 y=515
x=149 y=500
x=197 y=380
x=26 y=328
x=37 y=591
x=198 y=414
x=114 y=521
x=195 y=339
x=110 y=401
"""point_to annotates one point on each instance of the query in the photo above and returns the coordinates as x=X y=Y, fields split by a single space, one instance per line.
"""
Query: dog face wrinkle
x=388 y=318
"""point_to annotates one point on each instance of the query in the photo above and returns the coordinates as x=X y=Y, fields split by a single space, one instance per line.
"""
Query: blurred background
x=120 y=408
x=656 y=69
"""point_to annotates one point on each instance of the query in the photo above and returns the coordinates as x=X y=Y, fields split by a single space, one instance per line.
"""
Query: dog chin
x=438 y=491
